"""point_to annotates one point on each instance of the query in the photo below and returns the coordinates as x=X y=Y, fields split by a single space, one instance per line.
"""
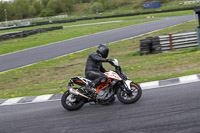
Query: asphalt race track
x=174 y=109
x=46 y=52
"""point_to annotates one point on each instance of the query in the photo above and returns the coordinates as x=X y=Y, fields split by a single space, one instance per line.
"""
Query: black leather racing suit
x=94 y=69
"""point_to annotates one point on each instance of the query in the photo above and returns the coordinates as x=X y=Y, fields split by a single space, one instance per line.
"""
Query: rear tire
x=133 y=97
x=72 y=102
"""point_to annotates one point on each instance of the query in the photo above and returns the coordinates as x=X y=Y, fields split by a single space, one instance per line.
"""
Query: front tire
x=130 y=98
x=72 y=102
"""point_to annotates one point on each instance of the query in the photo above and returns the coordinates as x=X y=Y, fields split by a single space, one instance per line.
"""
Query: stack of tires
x=27 y=33
x=150 y=45
x=145 y=46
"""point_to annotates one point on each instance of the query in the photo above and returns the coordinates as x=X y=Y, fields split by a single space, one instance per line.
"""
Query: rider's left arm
x=102 y=69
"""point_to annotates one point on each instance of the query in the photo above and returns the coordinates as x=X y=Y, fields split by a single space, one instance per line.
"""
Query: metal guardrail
x=178 y=40
x=158 y=44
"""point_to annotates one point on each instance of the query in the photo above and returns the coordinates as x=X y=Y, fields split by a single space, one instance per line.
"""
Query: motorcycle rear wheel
x=130 y=98
x=72 y=102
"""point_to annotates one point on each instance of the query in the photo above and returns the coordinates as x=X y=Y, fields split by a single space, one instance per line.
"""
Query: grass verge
x=52 y=75
x=13 y=45
x=169 y=14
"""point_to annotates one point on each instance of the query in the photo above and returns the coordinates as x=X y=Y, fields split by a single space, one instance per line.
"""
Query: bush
x=47 y=12
x=138 y=4
x=96 y=7
x=112 y=4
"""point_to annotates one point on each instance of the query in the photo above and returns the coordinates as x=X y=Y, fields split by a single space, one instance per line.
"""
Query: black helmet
x=103 y=50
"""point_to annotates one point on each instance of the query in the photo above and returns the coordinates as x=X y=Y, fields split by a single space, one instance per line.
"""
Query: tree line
x=21 y=9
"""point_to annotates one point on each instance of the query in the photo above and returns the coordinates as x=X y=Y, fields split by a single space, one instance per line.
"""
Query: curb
x=144 y=86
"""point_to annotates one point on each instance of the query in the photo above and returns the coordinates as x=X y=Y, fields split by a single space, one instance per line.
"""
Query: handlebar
x=114 y=63
x=120 y=73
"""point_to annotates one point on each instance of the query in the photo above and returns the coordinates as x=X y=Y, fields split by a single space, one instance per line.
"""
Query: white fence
x=192 y=2
x=27 y=21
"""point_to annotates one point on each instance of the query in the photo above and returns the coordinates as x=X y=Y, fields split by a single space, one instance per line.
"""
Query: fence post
x=171 y=41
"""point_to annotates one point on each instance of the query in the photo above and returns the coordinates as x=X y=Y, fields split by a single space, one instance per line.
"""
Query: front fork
x=126 y=86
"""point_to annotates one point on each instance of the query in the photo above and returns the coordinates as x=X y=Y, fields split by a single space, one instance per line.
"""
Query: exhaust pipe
x=75 y=92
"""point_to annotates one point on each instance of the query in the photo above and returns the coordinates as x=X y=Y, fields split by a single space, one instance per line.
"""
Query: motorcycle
x=117 y=84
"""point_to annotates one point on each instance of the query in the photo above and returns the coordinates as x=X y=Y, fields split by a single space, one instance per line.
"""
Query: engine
x=105 y=94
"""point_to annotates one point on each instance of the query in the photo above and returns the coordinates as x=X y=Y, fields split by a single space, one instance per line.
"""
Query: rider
x=94 y=69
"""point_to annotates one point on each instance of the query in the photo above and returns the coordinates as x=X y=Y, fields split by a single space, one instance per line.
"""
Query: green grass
x=13 y=45
x=52 y=75
x=130 y=9
x=135 y=7
x=170 y=14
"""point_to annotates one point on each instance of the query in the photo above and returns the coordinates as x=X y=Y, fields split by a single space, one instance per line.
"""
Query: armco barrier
x=179 y=40
x=28 y=33
x=101 y=17
x=161 y=43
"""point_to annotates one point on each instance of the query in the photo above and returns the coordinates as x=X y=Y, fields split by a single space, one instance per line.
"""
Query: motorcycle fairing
x=113 y=75
x=80 y=81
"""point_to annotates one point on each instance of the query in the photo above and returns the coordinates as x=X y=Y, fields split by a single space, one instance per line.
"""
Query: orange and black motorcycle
x=117 y=84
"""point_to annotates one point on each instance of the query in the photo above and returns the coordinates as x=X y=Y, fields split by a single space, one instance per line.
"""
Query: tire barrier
x=101 y=17
x=145 y=46
x=158 y=44
x=150 y=45
x=54 y=22
x=17 y=27
x=28 y=33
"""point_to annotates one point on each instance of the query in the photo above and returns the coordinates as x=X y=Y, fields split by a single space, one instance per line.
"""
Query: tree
x=78 y=1
x=103 y=2
x=96 y=7
x=47 y=12
x=9 y=10
x=37 y=6
x=21 y=8
x=51 y=5
x=31 y=11
x=67 y=5
x=2 y=14
x=44 y=3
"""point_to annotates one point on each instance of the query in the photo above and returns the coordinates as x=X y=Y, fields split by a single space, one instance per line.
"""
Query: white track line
x=149 y=85
x=144 y=86
x=190 y=78
x=12 y=101
x=42 y=98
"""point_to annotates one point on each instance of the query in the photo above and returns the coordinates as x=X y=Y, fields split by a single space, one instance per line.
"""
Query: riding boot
x=90 y=87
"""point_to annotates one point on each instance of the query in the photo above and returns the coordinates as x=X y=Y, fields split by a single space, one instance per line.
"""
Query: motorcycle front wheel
x=132 y=97
x=72 y=102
